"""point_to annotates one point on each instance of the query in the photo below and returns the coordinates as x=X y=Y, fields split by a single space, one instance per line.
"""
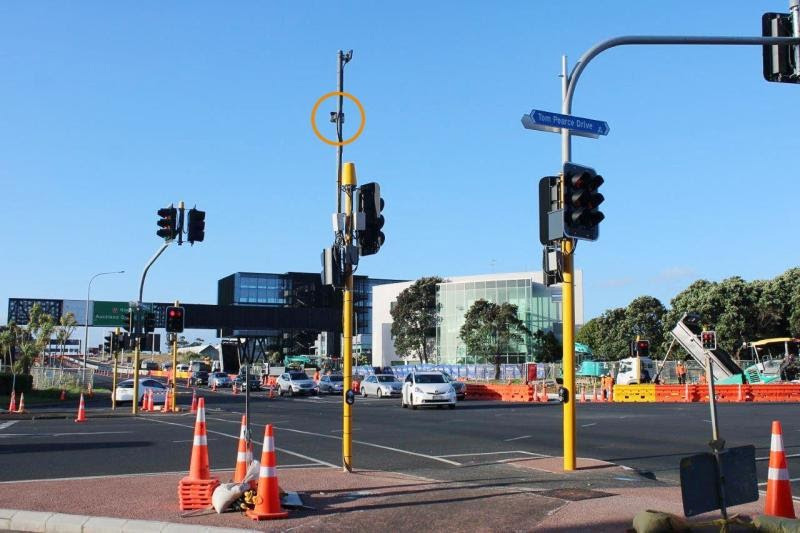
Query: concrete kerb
x=15 y=520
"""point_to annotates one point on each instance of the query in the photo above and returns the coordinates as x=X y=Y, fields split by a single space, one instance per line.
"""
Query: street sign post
x=555 y=122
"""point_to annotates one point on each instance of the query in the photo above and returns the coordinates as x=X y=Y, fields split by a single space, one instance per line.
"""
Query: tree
x=66 y=327
x=414 y=317
x=548 y=349
x=491 y=329
x=33 y=338
x=644 y=318
x=8 y=341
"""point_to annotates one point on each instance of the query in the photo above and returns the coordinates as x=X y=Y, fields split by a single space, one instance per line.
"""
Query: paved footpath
x=597 y=497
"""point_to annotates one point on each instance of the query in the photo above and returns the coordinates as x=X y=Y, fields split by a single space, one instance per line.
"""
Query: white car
x=296 y=382
x=124 y=390
x=381 y=386
x=427 y=388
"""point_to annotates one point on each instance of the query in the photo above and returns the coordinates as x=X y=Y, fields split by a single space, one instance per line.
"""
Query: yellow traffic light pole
x=174 y=366
x=114 y=374
x=348 y=186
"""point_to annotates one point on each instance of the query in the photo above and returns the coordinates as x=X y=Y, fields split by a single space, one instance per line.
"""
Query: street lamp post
x=86 y=329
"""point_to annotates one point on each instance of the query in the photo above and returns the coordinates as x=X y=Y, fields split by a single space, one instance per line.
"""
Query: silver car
x=219 y=379
x=333 y=383
x=292 y=383
x=381 y=386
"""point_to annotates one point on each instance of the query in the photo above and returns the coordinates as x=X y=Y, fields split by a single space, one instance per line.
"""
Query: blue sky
x=109 y=111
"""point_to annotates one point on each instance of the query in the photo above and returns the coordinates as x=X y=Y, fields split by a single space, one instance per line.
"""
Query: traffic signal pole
x=348 y=186
x=568 y=84
x=174 y=366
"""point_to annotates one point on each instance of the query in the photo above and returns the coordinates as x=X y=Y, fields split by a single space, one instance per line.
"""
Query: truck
x=199 y=366
x=724 y=369
x=635 y=370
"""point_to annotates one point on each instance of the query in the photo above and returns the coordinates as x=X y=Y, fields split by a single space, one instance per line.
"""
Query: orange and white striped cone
x=166 y=401
x=81 y=411
x=244 y=455
x=21 y=408
x=151 y=402
x=268 y=500
x=195 y=490
x=779 y=489
x=583 y=394
x=543 y=396
x=12 y=406
x=194 y=400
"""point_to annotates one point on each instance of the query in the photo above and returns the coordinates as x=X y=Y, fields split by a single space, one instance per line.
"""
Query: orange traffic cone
x=194 y=400
x=63 y=395
x=151 y=401
x=244 y=456
x=268 y=502
x=21 y=408
x=543 y=396
x=583 y=394
x=166 y=401
x=779 y=491
x=12 y=406
x=195 y=490
x=81 y=411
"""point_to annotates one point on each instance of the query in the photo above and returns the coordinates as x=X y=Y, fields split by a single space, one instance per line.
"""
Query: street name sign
x=555 y=122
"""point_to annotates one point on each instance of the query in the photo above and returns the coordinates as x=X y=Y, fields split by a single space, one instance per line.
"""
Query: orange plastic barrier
x=505 y=393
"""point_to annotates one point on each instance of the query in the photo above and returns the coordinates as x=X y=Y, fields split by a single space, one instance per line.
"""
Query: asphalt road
x=474 y=442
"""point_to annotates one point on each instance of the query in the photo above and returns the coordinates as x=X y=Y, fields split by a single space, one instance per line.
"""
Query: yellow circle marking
x=314 y=122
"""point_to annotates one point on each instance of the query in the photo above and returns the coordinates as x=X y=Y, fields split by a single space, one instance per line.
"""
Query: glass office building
x=539 y=307
x=299 y=289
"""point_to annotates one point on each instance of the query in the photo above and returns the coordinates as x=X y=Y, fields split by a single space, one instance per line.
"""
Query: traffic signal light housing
x=175 y=319
x=149 y=322
x=370 y=203
x=127 y=318
x=779 y=60
x=107 y=343
x=168 y=223
x=581 y=200
x=197 y=226
x=641 y=348
x=709 y=340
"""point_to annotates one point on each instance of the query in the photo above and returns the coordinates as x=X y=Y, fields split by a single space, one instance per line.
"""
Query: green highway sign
x=109 y=313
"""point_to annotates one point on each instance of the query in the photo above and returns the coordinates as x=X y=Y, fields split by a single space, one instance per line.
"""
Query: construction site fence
x=689 y=393
x=45 y=377
x=474 y=372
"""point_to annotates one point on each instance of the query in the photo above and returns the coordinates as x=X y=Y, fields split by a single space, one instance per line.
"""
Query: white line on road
x=496 y=453
x=518 y=438
x=589 y=425
x=4 y=425
x=398 y=450
x=236 y=437
x=788 y=456
x=63 y=434
x=790 y=481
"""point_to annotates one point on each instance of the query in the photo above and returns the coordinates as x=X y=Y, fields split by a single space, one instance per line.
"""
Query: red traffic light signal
x=641 y=348
x=709 y=340
x=175 y=318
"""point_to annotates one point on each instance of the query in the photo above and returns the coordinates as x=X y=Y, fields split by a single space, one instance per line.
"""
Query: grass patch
x=48 y=396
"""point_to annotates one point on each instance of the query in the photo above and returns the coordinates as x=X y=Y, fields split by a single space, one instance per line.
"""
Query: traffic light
x=149 y=322
x=168 y=223
x=581 y=200
x=779 y=60
x=641 y=348
x=127 y=318
x=370 y=203
x=197 y=226
x=107 y=343
x=709 y=340
x=174 y=319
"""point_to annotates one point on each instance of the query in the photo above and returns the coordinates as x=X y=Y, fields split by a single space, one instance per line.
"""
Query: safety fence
x=57 y=378
x=689 y=393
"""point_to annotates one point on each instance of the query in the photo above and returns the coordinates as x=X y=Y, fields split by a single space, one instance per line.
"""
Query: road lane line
x=372 y=444
x=236 y=437
x=495 y=453
x=62 y=434
x=4 y=425
x=518 y=438
x=788 y=456
x=790 y=481
x=589 y=425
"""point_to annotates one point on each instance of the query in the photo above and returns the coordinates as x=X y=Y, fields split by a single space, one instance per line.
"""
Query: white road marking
x=4 y=425
x=398 y=450
x=62 y=434
x=589 y=425
x=236 y=437
x=518 y=438
x=767 y=458
x=790 y=481
x=496 y=453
